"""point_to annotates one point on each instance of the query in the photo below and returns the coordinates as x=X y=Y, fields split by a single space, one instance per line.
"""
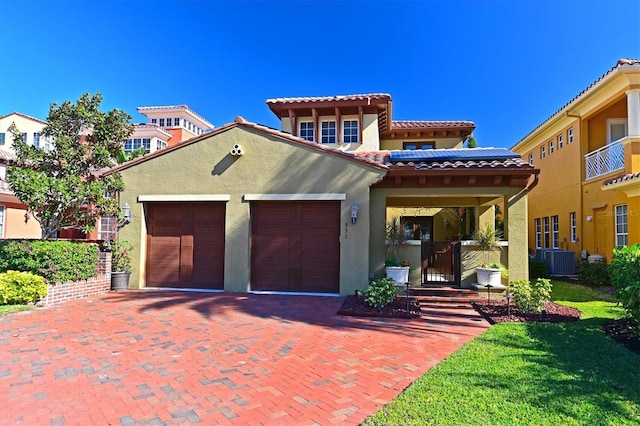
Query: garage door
x=185 y=245
x=295 y=246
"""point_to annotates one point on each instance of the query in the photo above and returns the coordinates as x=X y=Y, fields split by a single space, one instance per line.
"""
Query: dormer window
x=412 y=146
x=350 y=131
x=306 y=130
x=328 y=132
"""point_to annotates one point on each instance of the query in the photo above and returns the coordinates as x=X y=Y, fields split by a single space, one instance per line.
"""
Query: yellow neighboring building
x=588 y=153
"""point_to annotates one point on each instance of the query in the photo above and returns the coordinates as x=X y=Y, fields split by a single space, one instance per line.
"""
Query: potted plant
x=396 y=269
x=120 y=265
x=488 y=239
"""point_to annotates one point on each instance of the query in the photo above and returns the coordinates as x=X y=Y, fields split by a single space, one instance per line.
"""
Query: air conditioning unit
x=541 y=254
x=560 y=262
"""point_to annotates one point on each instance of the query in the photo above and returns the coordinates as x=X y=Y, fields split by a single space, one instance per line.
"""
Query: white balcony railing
x=607 y=159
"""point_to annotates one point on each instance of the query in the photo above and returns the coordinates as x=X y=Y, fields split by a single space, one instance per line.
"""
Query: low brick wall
x=100 y=284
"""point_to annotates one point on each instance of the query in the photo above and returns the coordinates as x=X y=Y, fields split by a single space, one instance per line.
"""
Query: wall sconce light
x=126 y=213
x=354 y=212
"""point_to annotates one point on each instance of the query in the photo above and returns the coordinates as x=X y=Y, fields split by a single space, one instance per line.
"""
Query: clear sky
x=507 y=65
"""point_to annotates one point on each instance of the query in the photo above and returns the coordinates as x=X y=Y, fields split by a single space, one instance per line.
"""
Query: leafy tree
x=471 y=142
x=124 y=156
x=63 y=188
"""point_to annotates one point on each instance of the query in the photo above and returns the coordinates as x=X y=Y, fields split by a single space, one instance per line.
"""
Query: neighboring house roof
x=6 y=156
x=28 y=117
x=623 y=178
x=150 y=126
x=172 y=108
x=622 y=63
x=407 y=124
x=339 y=98
x=241 y=122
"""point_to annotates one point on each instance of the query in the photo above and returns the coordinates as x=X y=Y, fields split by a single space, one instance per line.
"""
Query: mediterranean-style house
x=587 y=200
x=246 y=207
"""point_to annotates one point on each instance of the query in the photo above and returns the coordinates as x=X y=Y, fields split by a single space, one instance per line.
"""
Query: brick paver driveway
x=144 y=357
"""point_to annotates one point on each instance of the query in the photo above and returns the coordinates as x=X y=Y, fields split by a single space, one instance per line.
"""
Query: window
x=2 y=208
x=550 y=147
x=306 y=130
x=560 y=141
x=154 y=121
x=328 y=132
x=48 y=145
x=350 y=131
x=555 y=229
x=547 y=235
x=531 y=159
x=543 y=152
x=146 y=143
x=570 y=135
x=36 y=139
x=538 y=233
x=108 y=228
x=622 y=226
x=574 y=227
x=176 y=122
x=418 y=227
x=160 y=144
x=162 y=122
x=616 y=129
x=24 y=137
x=2 y=136
x=411 y=146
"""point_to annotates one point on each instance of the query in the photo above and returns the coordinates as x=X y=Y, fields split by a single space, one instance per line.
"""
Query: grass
x=530 y=374
x=9 y=309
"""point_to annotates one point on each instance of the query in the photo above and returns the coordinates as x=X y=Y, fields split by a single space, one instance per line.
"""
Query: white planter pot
x=400 y=274
x=491 y=276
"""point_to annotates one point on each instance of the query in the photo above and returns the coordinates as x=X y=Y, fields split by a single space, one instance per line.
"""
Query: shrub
x=379 y=293
x=55 y=261
x=537 y=269
x=21 y=288
x=531 y=296
x=121 y=256
x=625 y=276
x=593 y=274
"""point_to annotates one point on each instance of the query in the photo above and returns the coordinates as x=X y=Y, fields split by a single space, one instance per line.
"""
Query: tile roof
x=384 y=158
x=184 y=108
x=623 y=178
x=409 y=124
x=24 y=116
x=7 y=155
x=362 y=97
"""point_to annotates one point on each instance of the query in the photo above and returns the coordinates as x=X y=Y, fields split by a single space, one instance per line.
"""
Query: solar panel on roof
x=453 y=154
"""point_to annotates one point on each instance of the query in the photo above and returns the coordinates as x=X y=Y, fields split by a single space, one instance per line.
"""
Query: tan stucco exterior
x=269 y=165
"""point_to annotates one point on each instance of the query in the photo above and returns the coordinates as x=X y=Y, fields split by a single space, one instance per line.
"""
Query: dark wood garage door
x=185 y=245
x=295 y=246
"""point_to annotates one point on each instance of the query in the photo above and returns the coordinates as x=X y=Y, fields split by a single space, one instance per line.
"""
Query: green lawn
x=8 y=309
x=530 y=374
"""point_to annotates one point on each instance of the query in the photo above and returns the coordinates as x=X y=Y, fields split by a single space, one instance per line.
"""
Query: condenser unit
x=560 y=262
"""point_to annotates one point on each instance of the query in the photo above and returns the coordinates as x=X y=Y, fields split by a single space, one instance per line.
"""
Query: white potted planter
x=400 y=274
x=489 y=276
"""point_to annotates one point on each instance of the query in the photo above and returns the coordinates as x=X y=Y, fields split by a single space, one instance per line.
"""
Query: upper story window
x=560 y=141
x=412 y=146
x=616 y=129
x=176 y=122
x=350 y=131
x=328 y=132
x=531 y=159
x=36 y=139
x=162 y=122
x=570 y=135
x=154 y=121
x=306 y=130
x=2 y=138
x=160 y=144
x=551 y=147
x=24 y=137
x=131 y=145
x=543 y=151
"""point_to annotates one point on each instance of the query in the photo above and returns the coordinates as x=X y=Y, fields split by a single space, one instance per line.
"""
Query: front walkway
x=144 y=357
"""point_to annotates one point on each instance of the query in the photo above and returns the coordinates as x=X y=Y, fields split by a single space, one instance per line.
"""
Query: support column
x=633 y=111
x=377 y=226
x=516 y=228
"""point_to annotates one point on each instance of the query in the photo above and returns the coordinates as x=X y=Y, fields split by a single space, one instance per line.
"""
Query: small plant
x=121 y=256
x=537 y=269
x=625 y=276
x=531 y=296
x=593 y=274
x=379 y=293
x=21 y=288
x=393 y=261
x=395 y=237
x=488 y=240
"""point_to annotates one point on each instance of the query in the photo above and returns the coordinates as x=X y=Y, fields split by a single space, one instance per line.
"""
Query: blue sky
x=506 y=65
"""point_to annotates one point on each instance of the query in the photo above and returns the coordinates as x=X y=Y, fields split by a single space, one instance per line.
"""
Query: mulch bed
x=355 y=306
x=625 y=332
x=500 y=311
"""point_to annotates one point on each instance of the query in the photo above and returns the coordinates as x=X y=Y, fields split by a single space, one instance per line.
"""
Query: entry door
x=295 y=246
x=185 y=245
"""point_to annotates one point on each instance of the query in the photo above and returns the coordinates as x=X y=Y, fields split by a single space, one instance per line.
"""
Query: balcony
x=605 y=160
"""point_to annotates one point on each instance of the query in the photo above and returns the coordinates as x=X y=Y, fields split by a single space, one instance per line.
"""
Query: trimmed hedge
x=17 y=288
x=530 y=296
x=625 y=276
x=593 y=274
x=55 y=261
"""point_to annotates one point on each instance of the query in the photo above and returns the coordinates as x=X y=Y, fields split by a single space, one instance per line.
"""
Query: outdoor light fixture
x=126 y=213
x=354 y=212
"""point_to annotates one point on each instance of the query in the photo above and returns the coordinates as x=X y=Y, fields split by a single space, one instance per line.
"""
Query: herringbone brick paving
x=169 y=358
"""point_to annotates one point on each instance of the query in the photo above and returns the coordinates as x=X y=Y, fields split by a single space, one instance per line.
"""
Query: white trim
x=295 y=197
x=184 y=197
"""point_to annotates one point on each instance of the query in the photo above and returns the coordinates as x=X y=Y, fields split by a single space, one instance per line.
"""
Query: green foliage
x=594 y=274
x=379 y=293
x=21 y=288
x=55 y=261
x=62 y=187
x=394 y=261
x=531 y=296
x=395 y=236
x=537 y=269
x=625 y=276
x=121 y=256
x=487 y=240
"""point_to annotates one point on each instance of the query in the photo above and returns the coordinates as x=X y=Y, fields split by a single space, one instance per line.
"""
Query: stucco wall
x=269 y=166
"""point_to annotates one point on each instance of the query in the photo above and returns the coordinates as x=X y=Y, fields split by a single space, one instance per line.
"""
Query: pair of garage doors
x=294 y=245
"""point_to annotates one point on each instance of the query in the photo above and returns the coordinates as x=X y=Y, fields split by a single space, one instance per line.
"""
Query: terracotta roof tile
x=7 y=155
x=408 y=124
x=299 y=100
x=622 y=178
x=383 y=157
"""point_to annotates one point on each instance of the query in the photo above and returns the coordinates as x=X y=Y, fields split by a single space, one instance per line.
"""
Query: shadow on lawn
x=577 y=362
x=314 y=310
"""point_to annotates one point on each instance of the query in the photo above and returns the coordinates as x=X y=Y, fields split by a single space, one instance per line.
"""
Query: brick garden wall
x=99 y=284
